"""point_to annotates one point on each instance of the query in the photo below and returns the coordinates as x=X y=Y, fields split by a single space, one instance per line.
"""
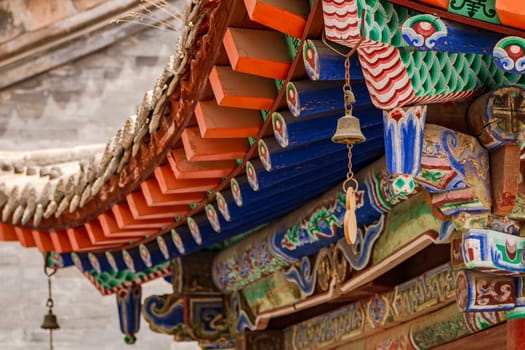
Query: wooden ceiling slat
x=154 y=196
x=169 y=184
x=234 y=89
x=125 y=219
x=288 y=16
x=79 y=238
x=97 y=237
x=258 y=52
x=111 y=229
x=198 y=149
x=215 y=121
x=140 y=209
x=184 y=169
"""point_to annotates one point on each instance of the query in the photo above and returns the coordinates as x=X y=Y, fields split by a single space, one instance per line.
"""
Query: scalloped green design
x=441 y=73
x=112 y=279
x=383 y=21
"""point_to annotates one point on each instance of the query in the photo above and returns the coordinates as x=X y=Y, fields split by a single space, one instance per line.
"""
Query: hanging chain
x=350 y=185
x=49 y=272
x=349 y=100
x=349 y=97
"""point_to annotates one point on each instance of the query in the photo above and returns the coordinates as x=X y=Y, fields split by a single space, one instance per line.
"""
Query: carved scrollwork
x=324 y=271
x=340 y=265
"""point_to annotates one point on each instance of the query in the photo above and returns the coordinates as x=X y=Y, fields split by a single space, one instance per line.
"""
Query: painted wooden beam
x=184 y=169
x=252 y=201
x=504 y=177
x=25 y=237
x=233 y=89
x=258 y=52
x=288 y=17
x=111 y=229
x=198 y=149
x=155 y=198
x=470 y=297
x=306 y=97
x=495 y=116
x=291 y=131
x=169 y=184
x=140 y=209
x=265 y=206
x=43 y=241
x=224 y=122
x=493 y=250
x=7 y=232
x=273 y=156
x=322 y=63
x=421 y=31
x=125 y=219
x=260 y=179
x=361 y=320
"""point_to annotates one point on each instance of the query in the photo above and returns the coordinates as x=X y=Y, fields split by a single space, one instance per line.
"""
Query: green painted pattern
x=433 y=73
x=442 y=331
x=383 y=21
x=404 y=223
x=484 y=10
x=271 y=293
x=112 y=279
x=439 y=73
x=279 y=84
x=435 y=176
x=516 y=313
x=264 y=114
x=293 y=45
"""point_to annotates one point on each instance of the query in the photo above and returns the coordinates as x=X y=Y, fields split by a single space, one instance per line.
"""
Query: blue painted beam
x=260 y=179
x=322 y=63
x=429 y=32
x=306 y=97
x=273 y=156
x=291 y=131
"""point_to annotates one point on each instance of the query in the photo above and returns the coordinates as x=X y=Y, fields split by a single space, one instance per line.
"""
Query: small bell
x=50 y=321
x=348 y=130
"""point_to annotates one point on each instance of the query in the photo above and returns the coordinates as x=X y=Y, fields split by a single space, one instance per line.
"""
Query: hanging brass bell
x=50 y=321
x=348 y=130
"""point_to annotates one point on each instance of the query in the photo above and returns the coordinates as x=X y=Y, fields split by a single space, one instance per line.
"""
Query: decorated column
x=404 y=137
x=129 y=304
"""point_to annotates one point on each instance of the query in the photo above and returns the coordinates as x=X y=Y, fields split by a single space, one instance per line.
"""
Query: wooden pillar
x=516 y=329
